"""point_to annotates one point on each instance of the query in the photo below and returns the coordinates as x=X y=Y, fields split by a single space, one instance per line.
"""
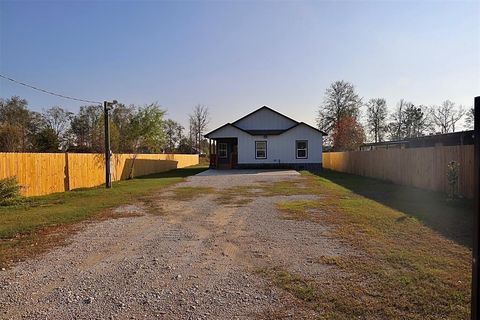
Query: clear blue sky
x=237 y=56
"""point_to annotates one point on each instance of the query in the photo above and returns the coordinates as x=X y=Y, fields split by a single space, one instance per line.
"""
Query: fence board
x=45 y=173
x=424 y=168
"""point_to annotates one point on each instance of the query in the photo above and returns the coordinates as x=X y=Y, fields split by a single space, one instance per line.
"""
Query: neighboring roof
x=265 y=131
x=384 y=143
x=452 y=138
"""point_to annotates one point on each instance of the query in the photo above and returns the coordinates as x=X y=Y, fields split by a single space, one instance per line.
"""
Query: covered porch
x=223 y=153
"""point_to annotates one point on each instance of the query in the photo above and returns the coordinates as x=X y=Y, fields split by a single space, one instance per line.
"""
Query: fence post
x=67 y=173
x=475 y=312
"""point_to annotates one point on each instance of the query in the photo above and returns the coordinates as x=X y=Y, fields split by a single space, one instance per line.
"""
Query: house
x=434 y=140
x=266 y=138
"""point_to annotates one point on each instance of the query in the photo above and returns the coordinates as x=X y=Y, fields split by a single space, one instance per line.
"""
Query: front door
x=223 y=155
x=226 y=153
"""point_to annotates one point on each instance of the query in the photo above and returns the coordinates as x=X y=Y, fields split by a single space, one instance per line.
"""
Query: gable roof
x=225 y=125
x=264 y=108
x=267 y=131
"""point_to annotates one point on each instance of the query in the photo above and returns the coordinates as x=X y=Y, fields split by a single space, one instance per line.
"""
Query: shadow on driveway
x=259 y=172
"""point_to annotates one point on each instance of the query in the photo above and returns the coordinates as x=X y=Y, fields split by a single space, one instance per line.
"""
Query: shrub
x=10 y=191
x=452 y=178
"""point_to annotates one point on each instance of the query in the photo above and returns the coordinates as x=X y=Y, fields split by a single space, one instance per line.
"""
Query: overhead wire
x=46 y=91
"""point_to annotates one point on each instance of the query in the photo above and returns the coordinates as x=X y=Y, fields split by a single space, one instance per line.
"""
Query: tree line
x=134 y=129
x=340 y=115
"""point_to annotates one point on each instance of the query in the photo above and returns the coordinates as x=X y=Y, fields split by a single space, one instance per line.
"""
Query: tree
x=340 y=101
x=10 y=137
x=348 y=135
x=376 y=118
x=58 y=120
x=15 y=119
x=415 y=122
x=146 y=129
x=120 y=128
x=47 y=140
x=198 y=120
x=469 y=121
x=446 y=116
x=408 y=121
x=173 y=134
x=87 y=129
x=395 y=127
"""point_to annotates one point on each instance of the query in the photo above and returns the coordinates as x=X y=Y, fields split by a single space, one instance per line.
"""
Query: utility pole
x=107 y=106
x=475 y=304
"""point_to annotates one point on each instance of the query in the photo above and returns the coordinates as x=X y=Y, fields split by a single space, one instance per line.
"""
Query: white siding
x=281 y=148
x=265 y=119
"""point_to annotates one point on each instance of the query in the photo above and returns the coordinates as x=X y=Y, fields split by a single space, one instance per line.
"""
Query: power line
x=48 y=92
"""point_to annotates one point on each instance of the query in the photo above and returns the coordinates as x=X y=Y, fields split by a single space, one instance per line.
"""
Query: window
x=260 y=149
x=301 y=149
x=222 y=150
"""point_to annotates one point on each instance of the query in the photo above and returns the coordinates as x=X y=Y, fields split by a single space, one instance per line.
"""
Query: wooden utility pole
x=107 y=106
x=475 y=307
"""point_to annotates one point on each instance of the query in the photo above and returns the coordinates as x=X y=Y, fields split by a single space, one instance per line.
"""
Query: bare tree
x=58 y=120
x=395 y=127
x=408 y=121
x=469 y=121
x=446 y=116
x=199 y=120
x=377 y=118
x=340 y=101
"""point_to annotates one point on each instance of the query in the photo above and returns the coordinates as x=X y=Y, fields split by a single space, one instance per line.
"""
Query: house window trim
x=226 y=150
x=296 y=149
x=266 y=148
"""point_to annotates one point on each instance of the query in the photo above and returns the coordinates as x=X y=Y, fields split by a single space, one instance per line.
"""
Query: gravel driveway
x=195 y=259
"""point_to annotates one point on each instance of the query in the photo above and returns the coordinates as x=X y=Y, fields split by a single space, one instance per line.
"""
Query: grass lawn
x=27 y=229
x=409 y=255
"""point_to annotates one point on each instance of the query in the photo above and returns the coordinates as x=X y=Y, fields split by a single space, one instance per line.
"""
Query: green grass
x=299 y=287
x=22 y=223
x=409 y=256
x=189 y=193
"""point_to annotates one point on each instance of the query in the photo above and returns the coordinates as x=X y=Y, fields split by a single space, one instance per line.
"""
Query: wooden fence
x=419 y=167
x=45 y=173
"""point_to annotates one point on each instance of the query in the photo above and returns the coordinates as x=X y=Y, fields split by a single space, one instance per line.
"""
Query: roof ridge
x=268 y=108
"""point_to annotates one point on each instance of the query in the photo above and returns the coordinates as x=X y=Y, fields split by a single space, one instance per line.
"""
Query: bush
x=10 y=191
x=453 y=169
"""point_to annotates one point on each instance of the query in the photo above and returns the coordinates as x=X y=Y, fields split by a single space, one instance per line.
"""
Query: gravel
x=196 y=260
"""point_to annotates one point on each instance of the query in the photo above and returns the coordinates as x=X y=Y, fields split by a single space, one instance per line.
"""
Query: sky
x=237 y=56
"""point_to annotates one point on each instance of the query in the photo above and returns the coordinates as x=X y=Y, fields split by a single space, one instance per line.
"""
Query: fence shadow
x=143 y=167
x=177 y=173
x=451 y=218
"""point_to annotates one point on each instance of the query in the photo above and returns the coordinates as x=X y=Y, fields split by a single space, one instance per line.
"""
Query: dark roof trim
x=266 y=132
x=264 y=108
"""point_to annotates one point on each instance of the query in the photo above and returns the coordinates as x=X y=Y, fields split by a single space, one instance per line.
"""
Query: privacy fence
x=45 y=173
x=419 y=167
